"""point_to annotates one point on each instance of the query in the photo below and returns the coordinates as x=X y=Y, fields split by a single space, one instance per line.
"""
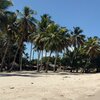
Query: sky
x=67 y=13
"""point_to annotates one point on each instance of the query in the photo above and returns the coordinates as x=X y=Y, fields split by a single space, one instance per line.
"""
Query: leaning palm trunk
x=38 y=67
x=14 y=59
x=46 y=70
x=15 y=56
x=5 y=53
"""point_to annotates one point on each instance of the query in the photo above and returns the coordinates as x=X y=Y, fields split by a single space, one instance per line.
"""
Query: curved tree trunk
x=15 y=56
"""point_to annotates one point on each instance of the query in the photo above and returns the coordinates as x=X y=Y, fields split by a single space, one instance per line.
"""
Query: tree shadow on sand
x=18 y=74
x=35 y=74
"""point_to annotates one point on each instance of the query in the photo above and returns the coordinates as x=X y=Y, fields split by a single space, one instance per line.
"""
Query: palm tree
x=77 y=38
x=92 y=47
x=55 y=39
x=27 y=26
x=42 y=26
x=2 y=42
x=9 y=28
x=91 y=50
x=5 y=4
x=39 y=39
x=35 y=38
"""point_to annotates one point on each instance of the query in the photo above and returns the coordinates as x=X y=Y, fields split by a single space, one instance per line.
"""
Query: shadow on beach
x=20 y=74
x=35 y=74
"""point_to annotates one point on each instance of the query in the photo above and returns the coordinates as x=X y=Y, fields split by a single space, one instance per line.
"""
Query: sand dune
x=50 y=86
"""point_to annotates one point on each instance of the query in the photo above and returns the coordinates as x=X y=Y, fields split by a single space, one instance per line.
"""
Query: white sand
x=50 y=86
x=95 y=96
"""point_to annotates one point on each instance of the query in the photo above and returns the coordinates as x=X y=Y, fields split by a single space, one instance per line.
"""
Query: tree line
x=80 y=53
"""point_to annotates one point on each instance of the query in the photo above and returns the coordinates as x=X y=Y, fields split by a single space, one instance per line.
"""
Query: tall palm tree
x=77 y=40
x=77 y=37
x=4 y=4
x=43 y=25
x=91 y=49
x=39 y=39
x=9 y=28
x=56 y=39
x=35 y=38
x=27 y=26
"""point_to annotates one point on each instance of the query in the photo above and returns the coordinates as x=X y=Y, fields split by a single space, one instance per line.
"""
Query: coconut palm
x=5 y=4
x=40 y=36
x=92 y=47
x=91 y=50
x=8 y=28
x=77 y=37
x=77 y=40
x=27 y=26
x=55 y=39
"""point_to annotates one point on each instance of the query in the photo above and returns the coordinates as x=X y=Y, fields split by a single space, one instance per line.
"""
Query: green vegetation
x=80 y=53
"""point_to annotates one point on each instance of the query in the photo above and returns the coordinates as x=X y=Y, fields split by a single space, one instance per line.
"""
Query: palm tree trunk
x=14 y=60
x=20 y=59
x=46 y=70
x=5 y=53
x=55 y=62
x=98 y=69
x=45 y=53
x=41 y=59
x=31 y=52
x=85 y=68
x=38 y=67
x=9 y=59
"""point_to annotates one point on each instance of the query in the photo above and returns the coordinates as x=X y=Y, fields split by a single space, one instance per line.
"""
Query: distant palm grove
x=58 y=48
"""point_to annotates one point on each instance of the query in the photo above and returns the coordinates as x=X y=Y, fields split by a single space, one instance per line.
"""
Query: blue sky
x=69 y=13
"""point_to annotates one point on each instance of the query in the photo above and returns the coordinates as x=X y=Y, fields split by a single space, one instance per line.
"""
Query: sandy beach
x=95 y=96
x=50 y=86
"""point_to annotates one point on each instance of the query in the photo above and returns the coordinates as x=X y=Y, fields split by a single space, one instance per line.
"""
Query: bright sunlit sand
x=50 y=86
